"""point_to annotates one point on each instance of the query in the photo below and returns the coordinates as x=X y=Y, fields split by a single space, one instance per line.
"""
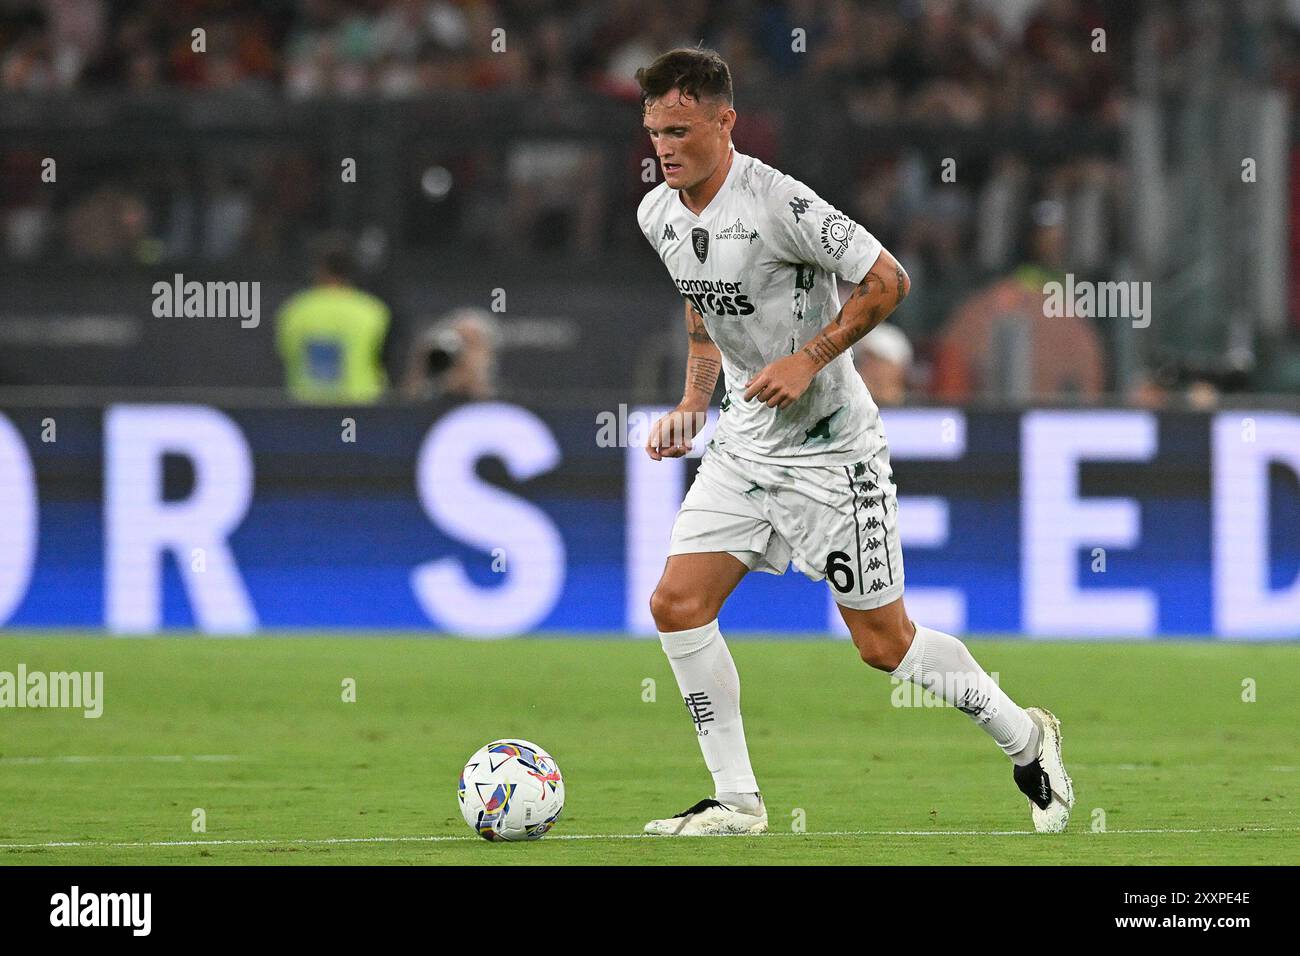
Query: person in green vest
x=331 y=336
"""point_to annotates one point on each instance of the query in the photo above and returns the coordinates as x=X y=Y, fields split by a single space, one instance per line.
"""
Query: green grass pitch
x=1163 y=750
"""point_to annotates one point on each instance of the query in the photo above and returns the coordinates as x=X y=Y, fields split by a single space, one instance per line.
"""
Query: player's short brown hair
x=698 y=72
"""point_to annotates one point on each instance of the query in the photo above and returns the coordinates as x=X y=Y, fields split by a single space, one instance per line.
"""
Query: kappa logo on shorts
x=876 y=585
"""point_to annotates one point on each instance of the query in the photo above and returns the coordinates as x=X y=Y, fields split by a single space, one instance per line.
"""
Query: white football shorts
x=837 y=523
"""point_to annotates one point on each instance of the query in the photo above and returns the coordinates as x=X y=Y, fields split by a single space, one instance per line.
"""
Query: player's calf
x=943 y=665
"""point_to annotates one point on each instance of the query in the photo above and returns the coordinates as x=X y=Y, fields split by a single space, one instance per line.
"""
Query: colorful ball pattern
x=511 y=790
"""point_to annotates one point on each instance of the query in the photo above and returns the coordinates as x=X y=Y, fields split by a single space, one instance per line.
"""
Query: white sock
x=751 y=803
x=710 y=686
x=942 y=665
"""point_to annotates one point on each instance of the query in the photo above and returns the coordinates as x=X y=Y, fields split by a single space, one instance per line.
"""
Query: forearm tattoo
x=821 y=349
x=702 y=374
x=867 y=306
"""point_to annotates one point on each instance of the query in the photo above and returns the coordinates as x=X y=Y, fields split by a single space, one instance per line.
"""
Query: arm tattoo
x=702 y=374
x=821 y=350
x=871 y=283
x=857 y=318
x=695 y=329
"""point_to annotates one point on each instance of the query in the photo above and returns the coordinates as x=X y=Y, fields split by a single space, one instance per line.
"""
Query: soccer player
x=798 y=469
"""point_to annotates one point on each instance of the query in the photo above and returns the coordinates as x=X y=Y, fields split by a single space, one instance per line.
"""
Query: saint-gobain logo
x=74 y=908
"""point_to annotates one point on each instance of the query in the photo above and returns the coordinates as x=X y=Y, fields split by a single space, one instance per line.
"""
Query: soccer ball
x=511 y=790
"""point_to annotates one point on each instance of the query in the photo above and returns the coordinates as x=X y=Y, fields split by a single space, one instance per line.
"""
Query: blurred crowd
x=960 y=60
x=963 y=63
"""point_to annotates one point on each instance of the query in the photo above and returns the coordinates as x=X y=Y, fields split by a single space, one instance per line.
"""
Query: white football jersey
x=759 y=265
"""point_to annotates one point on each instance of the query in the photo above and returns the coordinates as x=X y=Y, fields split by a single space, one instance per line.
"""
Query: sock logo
x=698 y=704
x=973 y=702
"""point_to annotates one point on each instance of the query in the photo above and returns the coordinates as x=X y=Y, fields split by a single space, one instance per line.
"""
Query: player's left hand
x=781 y=383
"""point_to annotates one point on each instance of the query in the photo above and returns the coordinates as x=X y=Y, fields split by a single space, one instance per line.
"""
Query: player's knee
x=880 y=655
x=679 y=609
x=882 y=645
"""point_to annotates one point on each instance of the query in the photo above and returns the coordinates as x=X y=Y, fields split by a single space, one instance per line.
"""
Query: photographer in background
x=331 y=336
x=454 y=358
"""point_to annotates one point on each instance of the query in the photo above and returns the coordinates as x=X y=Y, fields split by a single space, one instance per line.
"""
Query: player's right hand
x=670 y=437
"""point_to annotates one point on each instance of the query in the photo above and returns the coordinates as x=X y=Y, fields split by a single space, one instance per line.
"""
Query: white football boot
x=1045 y=782
x=710 y=818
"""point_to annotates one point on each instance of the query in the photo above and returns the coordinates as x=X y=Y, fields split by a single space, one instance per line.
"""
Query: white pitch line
x=123 y=758
x=333 y=841
x=1151 y=766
